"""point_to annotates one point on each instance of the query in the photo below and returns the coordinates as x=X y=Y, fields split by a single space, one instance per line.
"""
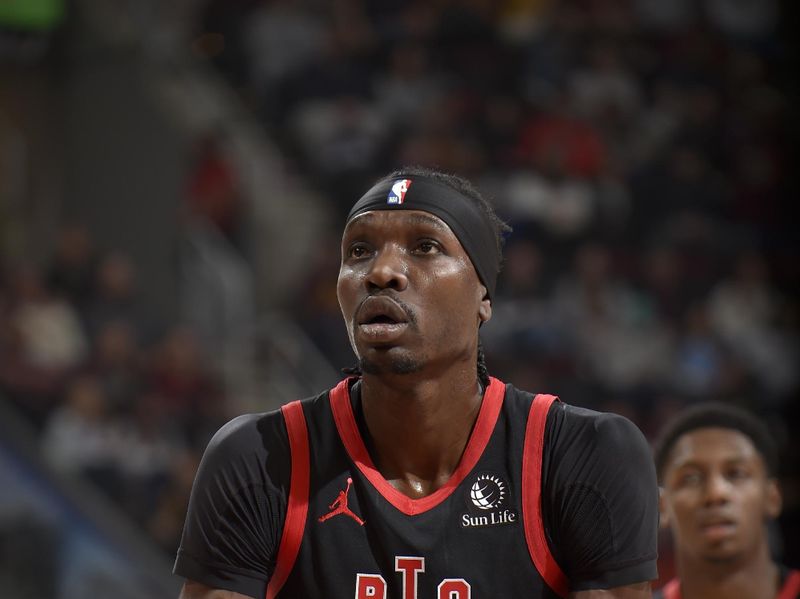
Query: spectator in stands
x=279 y=39
x=72 y=269
x=748 y=313
x=115 y=297
x=150 y=442
x=213 y=194
x=116 y=363
x=82 y=438
x=700 y=358
x=49 y=330
x=179 y=373
x=614 y=335
x=408 y=85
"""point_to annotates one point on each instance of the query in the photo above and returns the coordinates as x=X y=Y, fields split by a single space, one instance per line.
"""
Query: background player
x=717 y=466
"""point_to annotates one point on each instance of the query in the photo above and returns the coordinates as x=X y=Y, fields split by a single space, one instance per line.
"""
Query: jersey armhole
x=297 y=506
x=532 y=496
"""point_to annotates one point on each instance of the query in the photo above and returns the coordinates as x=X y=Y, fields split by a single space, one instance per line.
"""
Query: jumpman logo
x=339 y=506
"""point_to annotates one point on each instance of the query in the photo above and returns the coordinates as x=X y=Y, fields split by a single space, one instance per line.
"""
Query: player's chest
x=366 y=542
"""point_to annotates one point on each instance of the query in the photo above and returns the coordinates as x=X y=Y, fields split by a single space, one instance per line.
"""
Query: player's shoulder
x=241 y=432
x=588 y=444
x=575 y=433
x=564 y=418
x=606 y=428
x=247 y=432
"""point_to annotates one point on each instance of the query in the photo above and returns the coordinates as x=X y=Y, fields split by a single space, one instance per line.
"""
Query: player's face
x=410 y=297
x=717 y=495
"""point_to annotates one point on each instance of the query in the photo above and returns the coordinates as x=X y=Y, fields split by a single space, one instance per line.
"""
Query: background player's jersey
x=486 y=533
x=788 y=587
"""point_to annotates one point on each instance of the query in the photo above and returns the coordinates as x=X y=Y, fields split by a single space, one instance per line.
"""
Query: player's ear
x=663 y=511
x=485 y=307
x=774 y=500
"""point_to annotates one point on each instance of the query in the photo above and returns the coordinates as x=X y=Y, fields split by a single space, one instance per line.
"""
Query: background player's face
x=717 y=495
x=409 y=294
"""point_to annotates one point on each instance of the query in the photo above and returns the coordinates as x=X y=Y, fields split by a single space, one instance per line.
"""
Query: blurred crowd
x=117 y=397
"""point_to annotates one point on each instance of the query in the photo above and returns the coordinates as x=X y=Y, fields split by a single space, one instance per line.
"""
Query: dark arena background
x=173 y=182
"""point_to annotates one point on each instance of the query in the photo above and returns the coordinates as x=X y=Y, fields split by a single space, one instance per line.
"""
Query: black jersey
x=546 y=498
x=789 y=587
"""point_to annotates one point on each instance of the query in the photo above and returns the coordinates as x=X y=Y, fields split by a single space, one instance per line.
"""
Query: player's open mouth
x=380 y=319
x=381 y=329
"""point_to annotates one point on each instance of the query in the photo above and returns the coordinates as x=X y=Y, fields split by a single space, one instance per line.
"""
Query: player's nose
x=717 y=489
x=387 y=270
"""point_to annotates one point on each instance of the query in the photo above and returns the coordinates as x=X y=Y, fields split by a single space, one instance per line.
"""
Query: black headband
x=466 y=219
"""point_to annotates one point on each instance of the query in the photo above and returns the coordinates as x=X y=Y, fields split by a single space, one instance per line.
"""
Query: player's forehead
x=712 y=446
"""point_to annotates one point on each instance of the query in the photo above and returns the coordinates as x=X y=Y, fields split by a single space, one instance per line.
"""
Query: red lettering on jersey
x=370 y=586
x=410 y=567
x=374 y=585
x=454 y=588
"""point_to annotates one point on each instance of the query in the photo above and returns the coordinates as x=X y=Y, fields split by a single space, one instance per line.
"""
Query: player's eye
x=738 y=473
x=690 y=479
x=427 y=246
x=357 y=250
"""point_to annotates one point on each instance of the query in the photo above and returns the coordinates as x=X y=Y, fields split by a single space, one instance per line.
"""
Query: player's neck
x=419 y=432
x=753 y=578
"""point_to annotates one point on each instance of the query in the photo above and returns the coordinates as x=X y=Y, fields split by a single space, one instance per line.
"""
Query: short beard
x=399 y=365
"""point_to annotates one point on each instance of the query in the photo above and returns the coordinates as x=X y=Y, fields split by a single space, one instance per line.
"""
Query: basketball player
x=422 y=476
x=717 y=466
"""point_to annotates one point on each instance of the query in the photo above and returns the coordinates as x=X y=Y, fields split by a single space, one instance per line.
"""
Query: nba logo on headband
x=398 y=191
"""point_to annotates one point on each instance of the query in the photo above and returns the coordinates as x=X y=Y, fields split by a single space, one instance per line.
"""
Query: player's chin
x=722 y=552
x=389 y=360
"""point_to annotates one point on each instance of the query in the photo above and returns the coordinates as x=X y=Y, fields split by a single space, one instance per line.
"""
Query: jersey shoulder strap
x=791 y=588
x=532 y=496
x=297 y=506
x=672 y=590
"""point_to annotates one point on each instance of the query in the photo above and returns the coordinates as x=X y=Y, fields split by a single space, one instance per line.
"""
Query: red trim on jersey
x=351 y=437
x=791 y=588
x=297 y=506
x=672 y=590
x=532 y=496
